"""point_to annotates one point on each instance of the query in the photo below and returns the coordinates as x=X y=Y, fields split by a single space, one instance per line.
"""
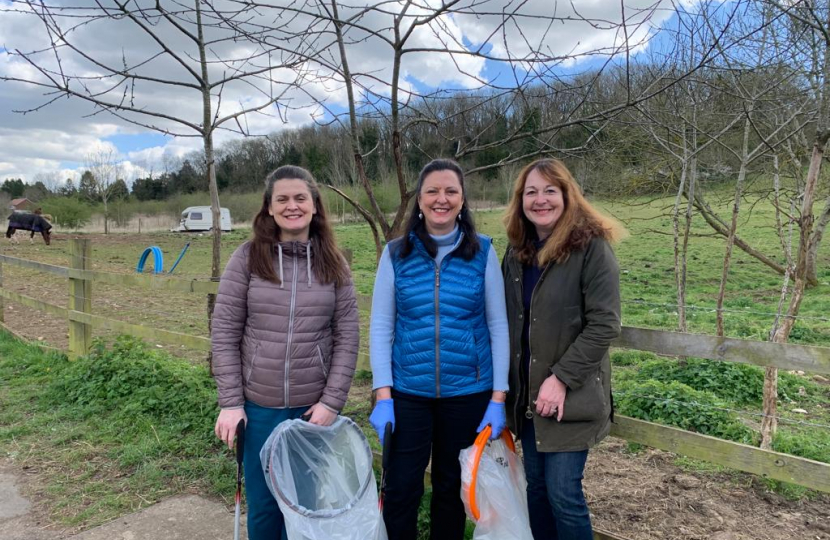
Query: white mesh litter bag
x=323 y=481
x=494 y=489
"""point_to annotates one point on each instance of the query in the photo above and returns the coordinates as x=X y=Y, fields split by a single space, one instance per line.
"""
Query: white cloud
x=57 y=137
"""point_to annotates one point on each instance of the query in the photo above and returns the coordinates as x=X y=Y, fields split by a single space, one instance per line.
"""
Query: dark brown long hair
x=576 y=227
x=327 y=263
x=469 y=244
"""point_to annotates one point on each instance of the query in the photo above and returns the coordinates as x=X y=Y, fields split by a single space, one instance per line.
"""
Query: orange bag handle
x=481 y=442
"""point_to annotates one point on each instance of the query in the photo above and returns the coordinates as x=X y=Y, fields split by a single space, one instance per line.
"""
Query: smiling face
x=542 y=203
x=292 y=207
x=440 y=200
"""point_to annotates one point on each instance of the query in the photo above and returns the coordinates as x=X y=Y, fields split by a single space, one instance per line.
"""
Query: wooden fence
x=773 y=465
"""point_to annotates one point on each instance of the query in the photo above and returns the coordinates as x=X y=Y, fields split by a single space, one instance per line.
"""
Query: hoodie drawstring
x=308 y=263
x=282 y=281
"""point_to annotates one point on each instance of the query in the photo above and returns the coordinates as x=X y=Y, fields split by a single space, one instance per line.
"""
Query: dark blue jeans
x=555 y=500
x=265 y=521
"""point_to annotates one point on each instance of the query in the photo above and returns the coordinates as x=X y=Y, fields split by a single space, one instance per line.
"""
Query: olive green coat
x=575 y=315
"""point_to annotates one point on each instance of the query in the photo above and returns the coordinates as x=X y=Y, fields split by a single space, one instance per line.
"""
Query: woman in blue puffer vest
x=439 y=351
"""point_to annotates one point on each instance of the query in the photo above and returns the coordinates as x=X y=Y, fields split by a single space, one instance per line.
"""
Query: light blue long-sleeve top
x=384 y=312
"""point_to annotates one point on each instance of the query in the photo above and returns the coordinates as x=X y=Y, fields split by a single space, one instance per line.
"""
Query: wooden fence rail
x=784 y=467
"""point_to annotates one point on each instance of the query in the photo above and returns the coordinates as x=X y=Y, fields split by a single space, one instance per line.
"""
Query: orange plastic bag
x=494 y=489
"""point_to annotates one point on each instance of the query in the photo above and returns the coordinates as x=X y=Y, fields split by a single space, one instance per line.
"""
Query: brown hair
x=576 y=227
x=327 y=263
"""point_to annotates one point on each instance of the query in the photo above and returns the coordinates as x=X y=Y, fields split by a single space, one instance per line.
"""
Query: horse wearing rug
x=29 y=222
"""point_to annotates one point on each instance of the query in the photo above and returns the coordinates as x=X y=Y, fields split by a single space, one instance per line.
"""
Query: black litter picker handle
x=387 y=445
x=240 y=442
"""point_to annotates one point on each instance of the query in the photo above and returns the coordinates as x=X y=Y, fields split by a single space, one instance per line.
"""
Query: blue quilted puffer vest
x=442 y=344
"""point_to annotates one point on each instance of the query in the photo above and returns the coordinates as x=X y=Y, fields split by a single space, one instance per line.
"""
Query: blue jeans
x=265 y=521
x=555 y=500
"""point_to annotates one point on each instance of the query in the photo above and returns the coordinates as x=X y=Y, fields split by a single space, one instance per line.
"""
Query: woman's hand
x=321 y=415
x=382 y=414
x=551 y=398
x=495 y=417
x=226 y=424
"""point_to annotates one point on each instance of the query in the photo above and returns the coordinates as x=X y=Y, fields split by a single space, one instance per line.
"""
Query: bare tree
x=539 y=104
x=52 y=181
x=807 y=38
x=105 y=168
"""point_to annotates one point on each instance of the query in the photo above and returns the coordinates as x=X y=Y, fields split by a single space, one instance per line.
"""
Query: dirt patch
x=646 y=496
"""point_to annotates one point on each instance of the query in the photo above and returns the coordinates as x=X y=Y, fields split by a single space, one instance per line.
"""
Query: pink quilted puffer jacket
x=283 y=345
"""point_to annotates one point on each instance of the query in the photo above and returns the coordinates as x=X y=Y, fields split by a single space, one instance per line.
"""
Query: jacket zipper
x=437 y=333
x=522 y=384
x=529 y=412
x=322 y=362
x=438 y=314
x=291 y=319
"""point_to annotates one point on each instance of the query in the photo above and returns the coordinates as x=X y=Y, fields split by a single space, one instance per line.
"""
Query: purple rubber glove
x=384 y=413
x=494 y=415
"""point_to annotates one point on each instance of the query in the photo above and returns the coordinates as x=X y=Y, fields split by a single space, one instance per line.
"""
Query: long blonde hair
x=576 y=227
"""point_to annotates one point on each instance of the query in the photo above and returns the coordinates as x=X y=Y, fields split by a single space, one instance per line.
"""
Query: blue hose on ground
x=158 y=260
x=175 y=264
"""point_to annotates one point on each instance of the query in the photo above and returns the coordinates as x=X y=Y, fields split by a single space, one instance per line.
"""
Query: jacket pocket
x=322 y=362
x=586 y=404
x=253 y=363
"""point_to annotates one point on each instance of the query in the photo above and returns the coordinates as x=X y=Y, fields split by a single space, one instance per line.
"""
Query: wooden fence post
x=80 y=298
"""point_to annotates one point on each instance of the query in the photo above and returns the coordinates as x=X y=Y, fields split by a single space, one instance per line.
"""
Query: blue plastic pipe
x=175 y=264
x=158 y=260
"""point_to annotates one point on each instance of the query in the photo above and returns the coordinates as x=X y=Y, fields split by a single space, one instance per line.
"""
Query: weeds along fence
x=768 y=464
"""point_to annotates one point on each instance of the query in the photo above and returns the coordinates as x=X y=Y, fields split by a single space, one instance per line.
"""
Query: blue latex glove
x=495 y=416
x=384 y=413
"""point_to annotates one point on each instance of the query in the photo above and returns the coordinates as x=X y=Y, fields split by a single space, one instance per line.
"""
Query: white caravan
x=199 y=218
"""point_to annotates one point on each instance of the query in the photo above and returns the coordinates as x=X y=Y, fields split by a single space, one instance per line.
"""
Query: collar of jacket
x=419 y=246
x=301 y=250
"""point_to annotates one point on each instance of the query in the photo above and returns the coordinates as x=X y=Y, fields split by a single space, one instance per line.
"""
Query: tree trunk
x=815 y=245
x=679 y=284
x=687 y=231
x=769 y=423
x=354 y=141
x=210 y=170
x=733 y=227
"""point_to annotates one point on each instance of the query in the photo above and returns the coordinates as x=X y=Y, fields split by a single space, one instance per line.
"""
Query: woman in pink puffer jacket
x=285 y=330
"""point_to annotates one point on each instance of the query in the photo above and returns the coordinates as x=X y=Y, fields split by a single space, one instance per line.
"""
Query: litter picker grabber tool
x=384 y=462
x=240 y=452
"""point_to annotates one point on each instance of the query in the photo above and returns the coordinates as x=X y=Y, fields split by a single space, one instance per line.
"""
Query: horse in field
x=29 y=222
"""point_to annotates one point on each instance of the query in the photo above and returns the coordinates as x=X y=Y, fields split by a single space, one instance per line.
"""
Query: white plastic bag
x=323 y=481
x=495 y=491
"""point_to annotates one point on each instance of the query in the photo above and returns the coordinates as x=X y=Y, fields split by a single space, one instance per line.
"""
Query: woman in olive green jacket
x=563 y=306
